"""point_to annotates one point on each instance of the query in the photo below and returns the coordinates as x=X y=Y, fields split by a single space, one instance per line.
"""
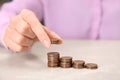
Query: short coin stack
x=53 y=59
x=66 y=62
x=78 y=64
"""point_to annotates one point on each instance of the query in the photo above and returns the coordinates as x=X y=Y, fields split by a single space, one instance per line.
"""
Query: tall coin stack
x=66 y=62
x=53 y=59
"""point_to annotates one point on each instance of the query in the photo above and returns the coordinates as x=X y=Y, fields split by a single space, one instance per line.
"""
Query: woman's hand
x=24 y=29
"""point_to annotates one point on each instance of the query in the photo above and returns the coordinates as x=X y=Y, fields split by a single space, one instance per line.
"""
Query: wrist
x=2 y=33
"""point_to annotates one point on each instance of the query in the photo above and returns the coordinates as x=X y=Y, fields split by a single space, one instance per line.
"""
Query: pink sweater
x=71 y=19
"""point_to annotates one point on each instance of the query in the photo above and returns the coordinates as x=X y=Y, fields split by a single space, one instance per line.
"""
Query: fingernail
x=46 y=43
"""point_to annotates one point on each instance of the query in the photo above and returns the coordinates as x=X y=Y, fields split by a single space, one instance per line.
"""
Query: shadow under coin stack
x=53 y=59
x=66 y=62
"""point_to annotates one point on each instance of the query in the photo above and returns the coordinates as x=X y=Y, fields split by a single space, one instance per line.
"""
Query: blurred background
x=3 y=1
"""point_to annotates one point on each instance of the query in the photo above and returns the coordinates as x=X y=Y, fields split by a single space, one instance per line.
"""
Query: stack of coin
x=53 y=59
x=78 y=64
x=91 y=66
x=66 y=62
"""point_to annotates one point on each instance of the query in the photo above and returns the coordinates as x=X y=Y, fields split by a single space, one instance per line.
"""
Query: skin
x=24 y=30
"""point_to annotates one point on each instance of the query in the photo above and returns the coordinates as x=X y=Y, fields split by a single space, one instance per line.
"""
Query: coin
x=53 y=64
x=65 y=65
x=53 y=54
x=54 y=41
x=66 y=59
x=91 y=66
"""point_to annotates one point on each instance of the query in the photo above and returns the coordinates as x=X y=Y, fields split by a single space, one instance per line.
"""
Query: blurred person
x=20 y=21
x=3 y=1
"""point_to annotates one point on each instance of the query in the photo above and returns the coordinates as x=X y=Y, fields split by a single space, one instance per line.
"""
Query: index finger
x=36 y=26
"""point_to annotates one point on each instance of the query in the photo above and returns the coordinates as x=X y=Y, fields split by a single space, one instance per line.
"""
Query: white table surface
x=33 y=65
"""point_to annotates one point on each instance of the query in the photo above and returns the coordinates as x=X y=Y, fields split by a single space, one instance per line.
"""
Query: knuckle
x=28 y=41
x=24 y=41
x=52 y=32
x=26 y=12
x=20 y=49
x=20 y=39
x=24 y=28
x=13 y=18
